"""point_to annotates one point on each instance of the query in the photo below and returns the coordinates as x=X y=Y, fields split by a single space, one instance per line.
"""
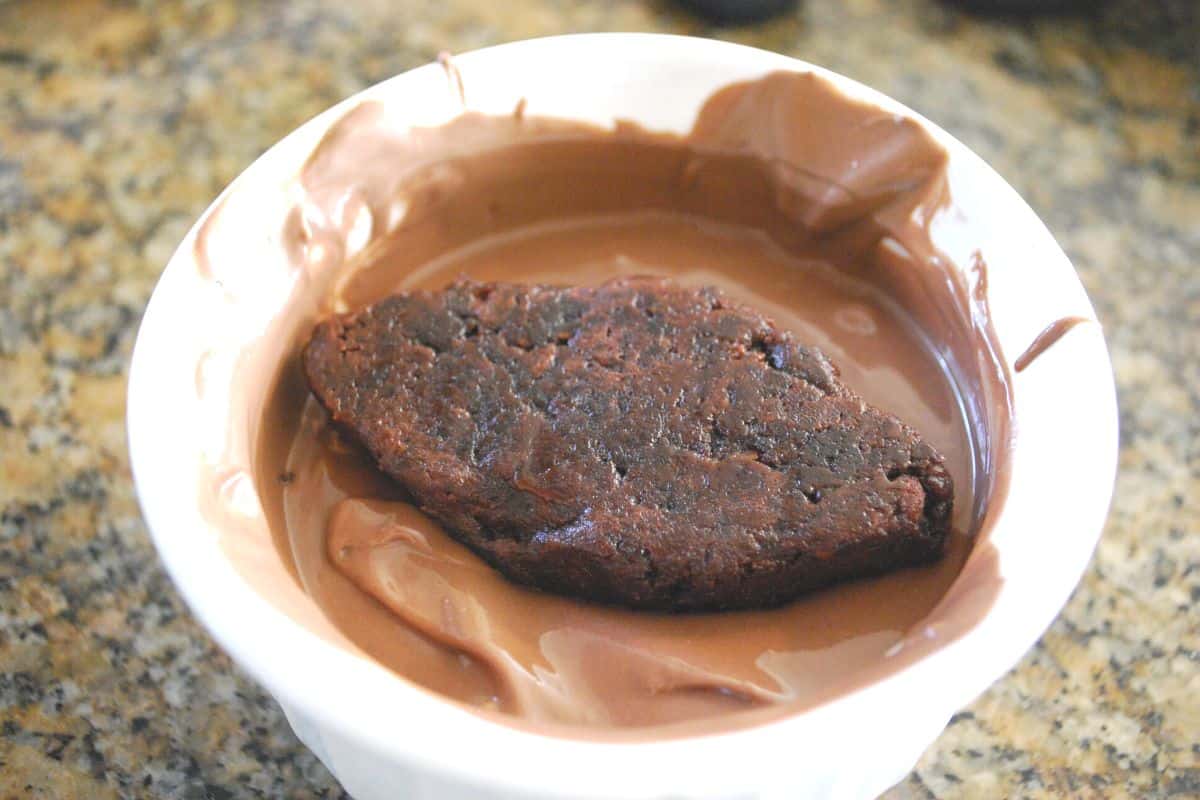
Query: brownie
x=638 y=443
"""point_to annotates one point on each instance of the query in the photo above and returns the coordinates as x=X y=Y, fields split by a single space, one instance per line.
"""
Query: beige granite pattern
x=120 y=121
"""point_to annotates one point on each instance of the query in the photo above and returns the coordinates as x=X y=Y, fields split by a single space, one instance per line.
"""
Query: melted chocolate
x=1045 y=340
x=790 y=197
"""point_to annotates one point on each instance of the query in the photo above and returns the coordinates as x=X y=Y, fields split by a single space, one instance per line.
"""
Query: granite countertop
x=119 y=122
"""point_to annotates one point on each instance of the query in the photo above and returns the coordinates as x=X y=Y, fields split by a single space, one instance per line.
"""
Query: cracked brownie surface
x=637 y=443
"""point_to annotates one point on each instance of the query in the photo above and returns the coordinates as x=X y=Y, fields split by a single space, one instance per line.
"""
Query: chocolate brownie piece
x=638 y=443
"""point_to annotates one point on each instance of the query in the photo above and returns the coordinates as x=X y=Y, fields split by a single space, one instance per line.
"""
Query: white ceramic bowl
x=383 y=737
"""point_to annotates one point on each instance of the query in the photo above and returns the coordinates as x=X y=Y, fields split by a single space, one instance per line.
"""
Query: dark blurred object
x=1029 y=7
x=737 y=12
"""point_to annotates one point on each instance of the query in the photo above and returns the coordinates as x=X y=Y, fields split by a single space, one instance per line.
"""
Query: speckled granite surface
x=119 y=122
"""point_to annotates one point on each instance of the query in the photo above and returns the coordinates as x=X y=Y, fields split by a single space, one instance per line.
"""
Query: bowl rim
x=401 y=722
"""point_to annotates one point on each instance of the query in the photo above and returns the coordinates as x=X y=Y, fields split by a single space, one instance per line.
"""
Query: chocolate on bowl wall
x=819 y=220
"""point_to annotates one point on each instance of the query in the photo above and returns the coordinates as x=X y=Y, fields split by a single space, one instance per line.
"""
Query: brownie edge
x=637 y=443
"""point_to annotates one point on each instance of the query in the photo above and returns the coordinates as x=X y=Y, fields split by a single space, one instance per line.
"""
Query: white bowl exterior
x=383 y=737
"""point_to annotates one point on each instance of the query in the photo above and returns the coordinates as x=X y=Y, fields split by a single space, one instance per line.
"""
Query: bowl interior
x=188 y=426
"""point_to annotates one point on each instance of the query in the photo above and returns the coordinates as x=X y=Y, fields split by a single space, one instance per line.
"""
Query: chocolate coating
x=793 y=199
x=637 y=443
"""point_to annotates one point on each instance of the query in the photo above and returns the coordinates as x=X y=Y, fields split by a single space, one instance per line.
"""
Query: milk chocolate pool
x=793 y=199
